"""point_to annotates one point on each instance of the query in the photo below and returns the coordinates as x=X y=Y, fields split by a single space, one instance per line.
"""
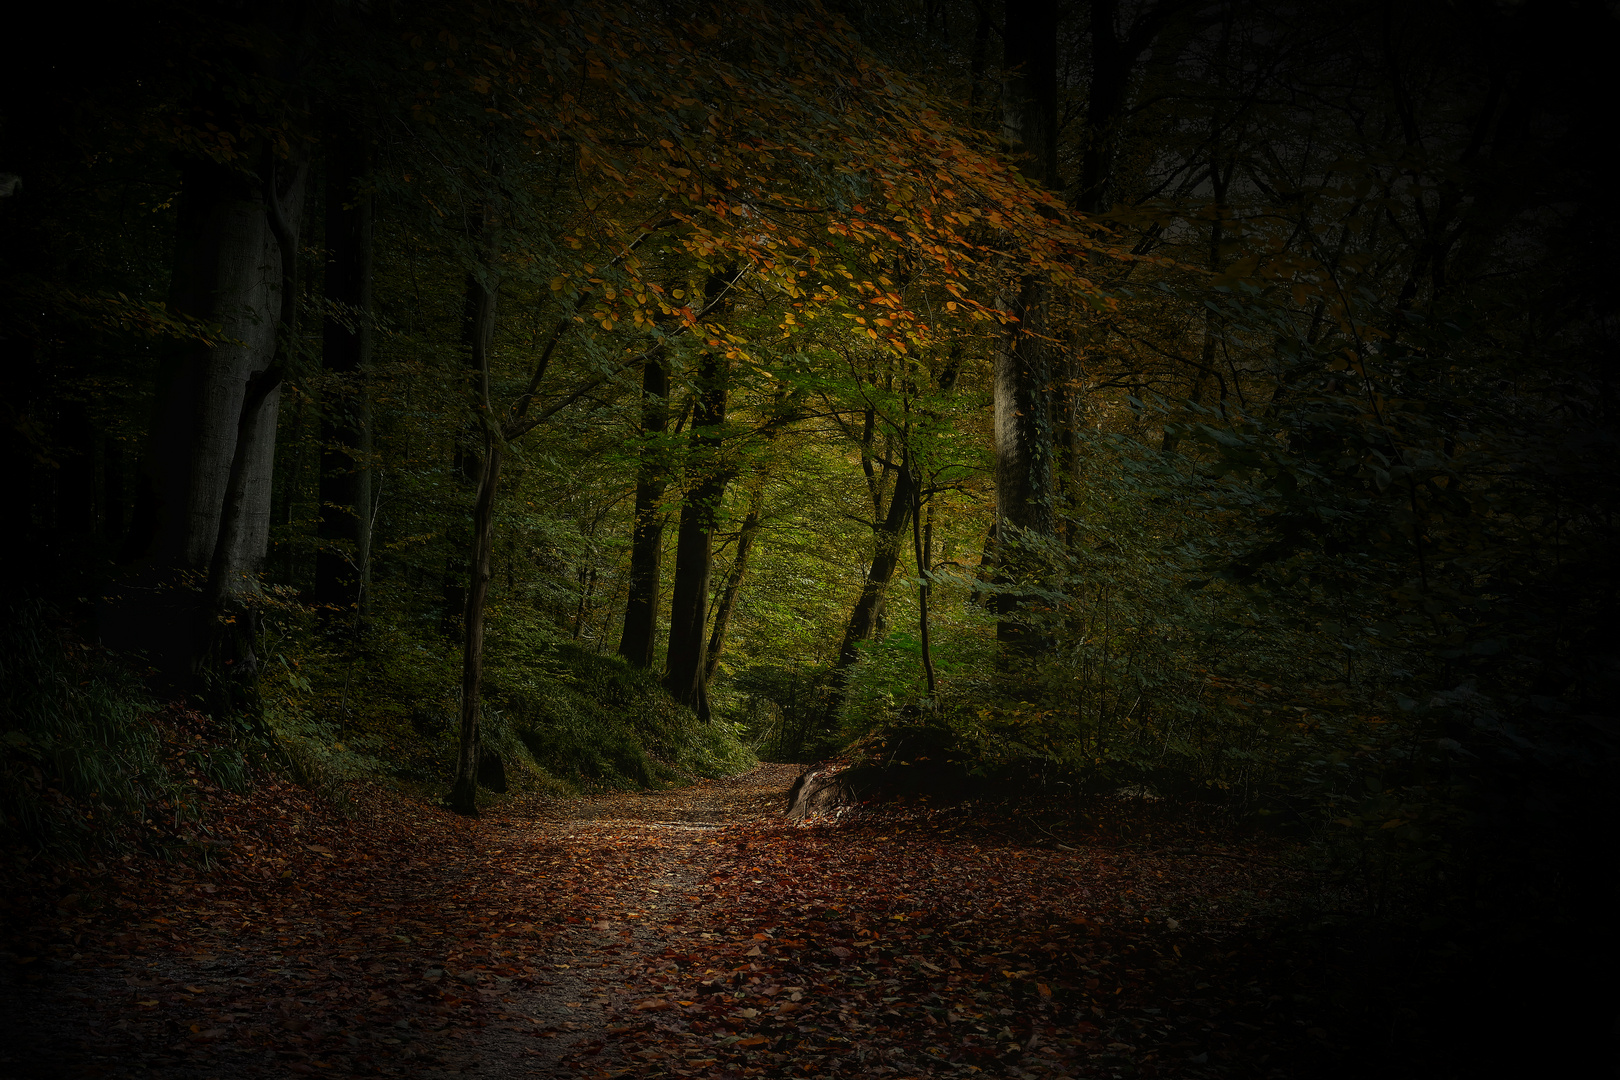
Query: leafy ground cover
x=692 y=932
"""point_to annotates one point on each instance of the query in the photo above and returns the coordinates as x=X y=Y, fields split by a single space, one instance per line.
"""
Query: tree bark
x=685 y=666
x=341 y=561
x=1114 y=56
x=739 y=569
x=482 y=297
x=477 y=331
x=887 y=538
x=1025 y=447
x=685 y=675
x=922 y=538
x=203 y=500
x=1029 y=86
x=640 y=634
x=227 y=271
x=463 y=795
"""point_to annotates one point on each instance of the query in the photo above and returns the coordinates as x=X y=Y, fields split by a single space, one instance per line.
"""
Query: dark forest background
x=1209 y=402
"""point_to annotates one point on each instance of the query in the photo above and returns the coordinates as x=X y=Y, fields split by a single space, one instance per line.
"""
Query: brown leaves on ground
x=664 y=934
x=920 y=948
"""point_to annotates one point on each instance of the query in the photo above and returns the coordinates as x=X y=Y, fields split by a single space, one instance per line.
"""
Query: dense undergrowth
x=93 y=758
x=558 y=717
x=89 y=758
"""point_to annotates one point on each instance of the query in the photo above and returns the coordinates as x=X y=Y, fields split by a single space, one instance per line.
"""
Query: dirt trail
x=577 y=1010
x=691 y=933
x=401 y=941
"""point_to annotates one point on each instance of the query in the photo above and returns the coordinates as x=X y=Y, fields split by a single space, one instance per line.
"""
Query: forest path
x=667 y=839
x=689 y=933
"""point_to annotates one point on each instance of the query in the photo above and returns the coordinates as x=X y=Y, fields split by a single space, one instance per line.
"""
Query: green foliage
x=595 y=720
x=83 y=754
x=561 y=717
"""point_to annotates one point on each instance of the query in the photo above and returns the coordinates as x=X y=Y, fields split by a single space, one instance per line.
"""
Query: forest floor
x=692 y=932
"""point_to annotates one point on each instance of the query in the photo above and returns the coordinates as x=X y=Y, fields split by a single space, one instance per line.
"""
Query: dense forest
x=1206 y=407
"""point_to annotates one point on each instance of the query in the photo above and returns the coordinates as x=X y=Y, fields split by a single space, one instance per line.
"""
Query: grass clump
x=87 y=758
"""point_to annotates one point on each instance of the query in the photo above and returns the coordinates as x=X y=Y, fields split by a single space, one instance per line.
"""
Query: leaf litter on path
x=683 y=933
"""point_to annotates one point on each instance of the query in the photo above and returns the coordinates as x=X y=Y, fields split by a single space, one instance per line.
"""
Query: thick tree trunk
x=1023 y=426
x=685 y=666
x=228 y=271
x=224 y=664
x=640 y=634
x=203 y=494
x=1025 y=447
x=685 y=674
x=688 y=609
x=1110 y=75
x=739 y=570
x=342 y=559
x=1029 y=114
x=979 y=54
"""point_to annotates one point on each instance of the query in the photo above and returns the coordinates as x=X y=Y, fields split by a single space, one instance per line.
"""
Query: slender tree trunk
x=345 y=481
x=477 y=330
x=739 y=569
x=922 y=538
x=463 y=795
x=640 y=633
x=482 y=296
x=587 y=586
x=887 y=541
x=979 y=54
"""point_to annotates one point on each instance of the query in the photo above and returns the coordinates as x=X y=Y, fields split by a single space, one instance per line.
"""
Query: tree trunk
x=228 y=271
x=739 y=569
x=640 y=633
x=345 y=481
x=1105 y=102
x=887 y=539
x=685 y=666
x=980 y=52
x=922 y=537
x=224 y=664
x=1029 y=113
x=463 y=795
x=477 y=331
x=482 y=296
x=211 y=443
x=1025 y=447
x=1023 y=426
x=685 y=675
